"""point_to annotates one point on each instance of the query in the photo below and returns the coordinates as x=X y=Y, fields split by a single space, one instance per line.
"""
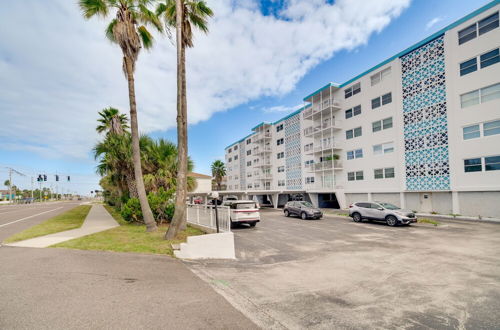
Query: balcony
x=264 y=176
x=324 y=127
x=327 y=166
x=263 y=150
x=316 y=108
x=324 y=147
x=261 y=137
x=263 y=164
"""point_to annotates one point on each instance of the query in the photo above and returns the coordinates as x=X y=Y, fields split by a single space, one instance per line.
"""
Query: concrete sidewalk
x=97 y=220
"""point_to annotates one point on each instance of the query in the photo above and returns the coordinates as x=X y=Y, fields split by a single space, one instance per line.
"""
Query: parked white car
x=381 y=211
x=243 y=211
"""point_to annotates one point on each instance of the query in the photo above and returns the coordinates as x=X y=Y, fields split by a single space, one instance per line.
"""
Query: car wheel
x=303 y=215
x=391 y=220
x=356 y=217
x=287 y=214
x=252 y=224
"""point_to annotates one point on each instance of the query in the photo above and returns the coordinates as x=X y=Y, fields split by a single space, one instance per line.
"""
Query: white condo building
x=420 y=130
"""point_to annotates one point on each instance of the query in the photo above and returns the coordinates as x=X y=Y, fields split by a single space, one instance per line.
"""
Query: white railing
x=204 y=216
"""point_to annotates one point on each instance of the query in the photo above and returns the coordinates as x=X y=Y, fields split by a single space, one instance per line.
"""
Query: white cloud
x=283 y=108
x=57 y=71
x=433 y=22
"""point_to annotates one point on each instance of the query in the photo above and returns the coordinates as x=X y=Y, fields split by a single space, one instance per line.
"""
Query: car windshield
x=306 y=204
x=389 y=206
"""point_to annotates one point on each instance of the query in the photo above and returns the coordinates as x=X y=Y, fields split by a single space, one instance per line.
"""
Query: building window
x=235 y=157
x=468 y=67
x=229 y=160
x=281 y=155
x=281 y=169
x=249 y=186
x=471 y=132
x=249 y=163
x=471 y=32
x=492 y=163
x=281 y=183
x=489 y=58
x=249 y=141
x=381 y=173
x=358 y=153
x=230 y=150
x=386 y=98
x=384 y=148
x=487 y=24
x=309 y=179
x=352 y=133
x=353 y=90
x=355 y=176
x=279 y=127
x=381 y=100
x=472 y=165
x=353 y=112
x=491 y=128
x=249 y=152
x=280 y=141
x=480 y=96
x=379 y=76
x=235 y=148
x=382 y=124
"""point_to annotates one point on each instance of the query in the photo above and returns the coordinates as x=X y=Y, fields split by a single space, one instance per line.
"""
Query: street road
x=337 y=274
x=16 y=218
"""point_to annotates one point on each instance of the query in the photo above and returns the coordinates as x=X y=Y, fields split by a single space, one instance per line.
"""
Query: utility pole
x=31 y=190
x=10 y=180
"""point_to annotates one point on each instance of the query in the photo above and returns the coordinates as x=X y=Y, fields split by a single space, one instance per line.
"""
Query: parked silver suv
x=381 y=211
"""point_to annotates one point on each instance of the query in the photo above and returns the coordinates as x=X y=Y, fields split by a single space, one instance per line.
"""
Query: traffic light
x=57 y=177
x=39 y=179
x=45 y=177
x=68 y=178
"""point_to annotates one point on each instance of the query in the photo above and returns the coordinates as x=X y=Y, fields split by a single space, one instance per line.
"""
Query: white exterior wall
x=441 y=200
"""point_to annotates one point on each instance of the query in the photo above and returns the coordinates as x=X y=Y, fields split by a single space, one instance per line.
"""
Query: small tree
x=218 y=172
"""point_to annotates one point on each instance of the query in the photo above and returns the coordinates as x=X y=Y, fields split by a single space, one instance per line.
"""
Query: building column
x=402 y=200
x=314 y=199
x=275 y=200
x=340 y=195
x=370 y=197
x=455 y=202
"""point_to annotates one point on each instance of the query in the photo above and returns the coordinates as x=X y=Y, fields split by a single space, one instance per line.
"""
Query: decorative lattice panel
x=425 y=118
x=292 y=153
x=243 y=165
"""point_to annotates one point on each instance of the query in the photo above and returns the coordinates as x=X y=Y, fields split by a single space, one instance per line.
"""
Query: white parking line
x=31 y=216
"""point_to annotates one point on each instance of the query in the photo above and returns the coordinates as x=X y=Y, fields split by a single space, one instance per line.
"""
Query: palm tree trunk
x=179 y=218
x=136 y=152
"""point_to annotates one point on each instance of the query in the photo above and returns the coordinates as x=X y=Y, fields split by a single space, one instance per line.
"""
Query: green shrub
x=161 y=204
x=131 y=211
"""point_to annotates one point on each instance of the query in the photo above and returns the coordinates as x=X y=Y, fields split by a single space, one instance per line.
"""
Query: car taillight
x=350 y=206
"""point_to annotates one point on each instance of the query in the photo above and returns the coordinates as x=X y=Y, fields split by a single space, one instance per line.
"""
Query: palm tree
x=112 y=121
x=125 y=31
x=192 y=13
x=218 y=172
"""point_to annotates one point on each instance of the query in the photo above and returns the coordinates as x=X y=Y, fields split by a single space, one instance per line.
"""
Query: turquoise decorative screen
x=425 y=119
x=292 y=153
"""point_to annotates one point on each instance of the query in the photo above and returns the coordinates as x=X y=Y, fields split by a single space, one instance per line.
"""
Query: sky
x=259 y=60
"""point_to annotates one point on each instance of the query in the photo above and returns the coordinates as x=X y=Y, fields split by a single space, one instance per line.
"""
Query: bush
x=161 y=204
x=131 y=211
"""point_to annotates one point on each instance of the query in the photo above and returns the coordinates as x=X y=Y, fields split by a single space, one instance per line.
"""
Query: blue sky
x=257 y=64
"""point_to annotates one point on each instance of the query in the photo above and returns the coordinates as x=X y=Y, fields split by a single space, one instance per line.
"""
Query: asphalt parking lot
x=334 y=273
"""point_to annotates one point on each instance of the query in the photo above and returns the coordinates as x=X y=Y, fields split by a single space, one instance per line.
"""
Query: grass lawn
x=425 y=220
x=129 y=237
x=68 y=220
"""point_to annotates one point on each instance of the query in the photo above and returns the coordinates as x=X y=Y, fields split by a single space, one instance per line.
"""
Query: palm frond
x=146 y=37
x=109 y=31
x=148 y=17
x=92 y=8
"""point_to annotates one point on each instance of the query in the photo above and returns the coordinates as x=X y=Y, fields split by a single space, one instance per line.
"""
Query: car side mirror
x=380 y=208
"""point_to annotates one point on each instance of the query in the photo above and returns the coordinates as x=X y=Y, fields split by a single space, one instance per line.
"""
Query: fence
x=204 y=215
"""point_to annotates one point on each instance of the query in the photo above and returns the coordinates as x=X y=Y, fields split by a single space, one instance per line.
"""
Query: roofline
x=261 y=124
x=415 y=46
x=240 y=140
x=292 y=114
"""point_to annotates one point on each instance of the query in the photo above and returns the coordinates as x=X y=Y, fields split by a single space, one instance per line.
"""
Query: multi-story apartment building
x=420 y=130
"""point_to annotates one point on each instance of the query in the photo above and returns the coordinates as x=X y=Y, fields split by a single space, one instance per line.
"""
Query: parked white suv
x=381 y=211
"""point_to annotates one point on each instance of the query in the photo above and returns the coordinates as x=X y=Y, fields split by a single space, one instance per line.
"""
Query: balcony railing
x=264 y=176
x=262 y=150
x=328 y=165
x=328 y=146
x=262 y=136
x=323 y=105
x=319 y=128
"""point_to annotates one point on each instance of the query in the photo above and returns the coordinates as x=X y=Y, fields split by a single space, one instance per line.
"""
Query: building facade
x=420 y=130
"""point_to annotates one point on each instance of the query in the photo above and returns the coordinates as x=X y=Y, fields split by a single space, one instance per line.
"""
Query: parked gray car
x=303 y=209
x=381 y=211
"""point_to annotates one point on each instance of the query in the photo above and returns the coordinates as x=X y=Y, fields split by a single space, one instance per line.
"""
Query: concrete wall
x=352 y=198
x=412 y=201
x=392 y=198
x=484 y=203
x=203 y=185
x=441 y=202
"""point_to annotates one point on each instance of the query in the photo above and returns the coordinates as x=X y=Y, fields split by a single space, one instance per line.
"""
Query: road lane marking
x=31 y=216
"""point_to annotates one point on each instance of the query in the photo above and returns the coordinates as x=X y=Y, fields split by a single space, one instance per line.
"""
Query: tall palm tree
x=125 y=31
x=218 y=172
x=191 y=13
x=112 y=121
